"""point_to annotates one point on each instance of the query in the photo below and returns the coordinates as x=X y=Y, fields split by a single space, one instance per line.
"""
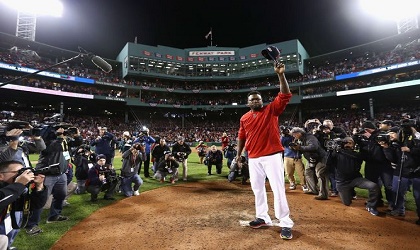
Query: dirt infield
x=212 y=215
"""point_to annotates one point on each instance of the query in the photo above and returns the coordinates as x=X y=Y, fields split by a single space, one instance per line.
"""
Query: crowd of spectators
x=79 y=67
x=210 y=99
x=315 y=71
x=211 y=130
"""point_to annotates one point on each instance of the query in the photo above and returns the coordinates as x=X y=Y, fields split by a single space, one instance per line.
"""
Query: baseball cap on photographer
x=368 y=124
x=101 y=156
x=388 y=122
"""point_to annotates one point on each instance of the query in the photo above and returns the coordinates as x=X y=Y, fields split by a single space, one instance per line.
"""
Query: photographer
x=132 y=159
x=158 y=152
x=241 y=168
x=181 y=151
x=327 y=131
x=316 y=172
x=126 y=142
x=230 y=153
x=105 y=144
x=83 y=159
x=214 y=157
x=224 y=140
x=101 y=177
x=403 y=151
x=201 y=151
x=347 y=164
x=145 y=139
x=167 y=166
x=377 y=168
x=312 y=125
x=292 y=160
x=56 y=159
x=19 y=150
x=14 y=195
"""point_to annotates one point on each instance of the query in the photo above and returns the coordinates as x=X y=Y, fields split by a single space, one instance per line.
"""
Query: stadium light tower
x=403 y=12
x=29 y=10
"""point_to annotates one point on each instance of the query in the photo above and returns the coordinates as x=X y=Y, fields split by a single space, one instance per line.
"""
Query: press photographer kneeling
x=101 y=177
x=347 y=164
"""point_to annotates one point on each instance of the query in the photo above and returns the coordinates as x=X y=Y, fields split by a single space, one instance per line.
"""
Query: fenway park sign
x=212 y=53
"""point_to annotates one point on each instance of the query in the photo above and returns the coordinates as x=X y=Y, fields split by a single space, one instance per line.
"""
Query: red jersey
x=261 y=130
x=225 y=141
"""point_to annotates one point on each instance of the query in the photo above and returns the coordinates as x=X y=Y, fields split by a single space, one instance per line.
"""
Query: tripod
x=403 y=158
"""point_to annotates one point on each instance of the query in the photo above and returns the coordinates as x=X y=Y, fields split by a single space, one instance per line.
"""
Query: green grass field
x=80 y=207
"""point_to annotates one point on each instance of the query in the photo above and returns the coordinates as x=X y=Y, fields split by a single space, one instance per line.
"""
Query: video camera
x=110 y=174
x=231 y=147
x=407 y=124
x=83 y=149
x=46 y=129
x=383 y=137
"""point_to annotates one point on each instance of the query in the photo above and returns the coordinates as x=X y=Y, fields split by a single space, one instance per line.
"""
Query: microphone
x=98 y=61
x=101 y=63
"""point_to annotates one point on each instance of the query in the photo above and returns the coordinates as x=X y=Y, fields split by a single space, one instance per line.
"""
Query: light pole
x=29 y=10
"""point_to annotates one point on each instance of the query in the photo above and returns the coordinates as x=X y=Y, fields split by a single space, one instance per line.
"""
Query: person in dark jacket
x=201 y=151
x=181 y=151
x=57 y=158
x=377 y=168
x=102 y=177
x=126 y=142
x=14 y=193
x=230 y=153
x=132 y=159
x=158 y=153
x=403 y=151
x=83 y=161
x=105 y=144
x=148 y=142
x=214 y=157
x=316 y=172
x=167 y=166
x=347 y=164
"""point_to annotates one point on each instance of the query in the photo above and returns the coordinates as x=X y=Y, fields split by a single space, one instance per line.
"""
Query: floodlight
x=404 y=12
x=390 y=9
x=37 y=7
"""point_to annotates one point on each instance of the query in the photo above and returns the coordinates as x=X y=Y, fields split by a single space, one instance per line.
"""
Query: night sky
x=105 y=26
